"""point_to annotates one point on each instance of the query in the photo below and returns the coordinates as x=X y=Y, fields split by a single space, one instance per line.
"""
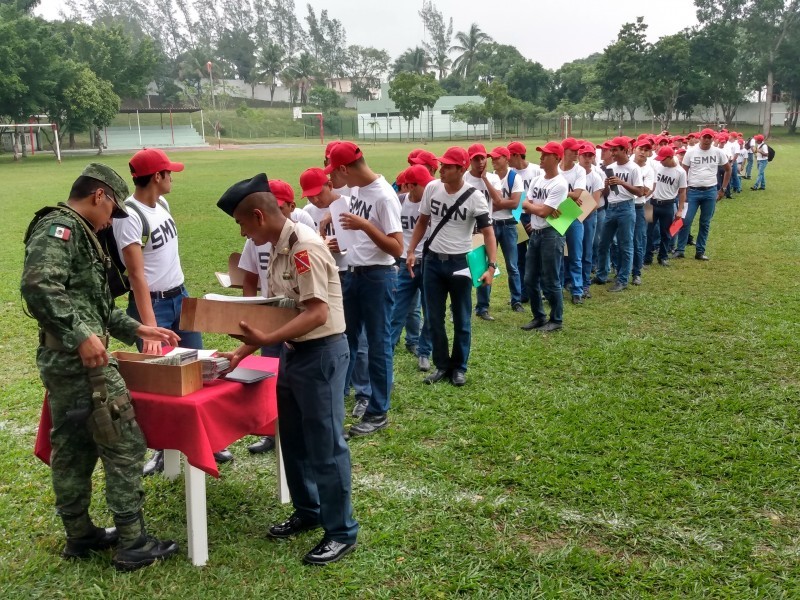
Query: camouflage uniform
x=64 y=284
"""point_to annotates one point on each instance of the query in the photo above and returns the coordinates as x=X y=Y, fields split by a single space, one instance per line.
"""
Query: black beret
x=239 y=191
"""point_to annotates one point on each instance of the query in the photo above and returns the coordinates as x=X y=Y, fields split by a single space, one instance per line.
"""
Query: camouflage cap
x=112 y=179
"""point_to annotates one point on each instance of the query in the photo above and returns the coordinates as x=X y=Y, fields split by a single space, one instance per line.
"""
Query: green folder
x=478 y=262
x=569 y=212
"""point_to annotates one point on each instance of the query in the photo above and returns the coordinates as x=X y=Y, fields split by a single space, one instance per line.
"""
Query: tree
x=325 y=99
x=768 y=24
x=413 y=93
x=497 y=102
x=468 y=45
x=494 y=61
x=787 y=73
x=237 y=48
x=528 y=81
x=669 y=64
x=438 y=48
x=620 y=70
x=285 y=28
x=304 y=71
x=364 y=67
x=471 y=113
x=413 y=60
x=271 y=63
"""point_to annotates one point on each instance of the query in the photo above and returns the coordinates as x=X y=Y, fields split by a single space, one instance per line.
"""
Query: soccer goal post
x=28 y=128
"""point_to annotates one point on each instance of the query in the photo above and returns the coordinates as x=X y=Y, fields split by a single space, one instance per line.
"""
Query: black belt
x=535 y=231
x=638 y=206
x=702 y=189
x=176 y=291
x=309 y=344
x=441 y=256
x=366 y=268
x=511 y=221
x=662 y=202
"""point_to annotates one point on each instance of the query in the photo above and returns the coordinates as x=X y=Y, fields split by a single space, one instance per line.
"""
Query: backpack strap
x=145 y=223
x=450 y=212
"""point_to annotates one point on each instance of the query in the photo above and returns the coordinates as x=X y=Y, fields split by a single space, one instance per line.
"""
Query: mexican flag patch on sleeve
x=61 y=232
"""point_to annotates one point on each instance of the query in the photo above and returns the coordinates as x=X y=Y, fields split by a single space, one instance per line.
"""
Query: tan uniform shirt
x=307 y=270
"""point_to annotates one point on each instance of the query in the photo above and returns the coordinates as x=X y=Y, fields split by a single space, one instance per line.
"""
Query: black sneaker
x=618 y=287
x=265 y=444
x=551 y=326
x=577 y=299
x=598 y=281
x=436 y=376
x=458 y=378
x=155 y=464
x=517 y=307
x=534 y=324
x=369 y=424
x=360 y=407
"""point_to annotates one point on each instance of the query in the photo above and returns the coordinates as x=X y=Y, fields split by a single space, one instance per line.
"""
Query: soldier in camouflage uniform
x=64 y=284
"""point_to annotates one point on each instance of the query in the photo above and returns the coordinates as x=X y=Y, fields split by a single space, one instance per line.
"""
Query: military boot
x=136 y=549
x=84 y=537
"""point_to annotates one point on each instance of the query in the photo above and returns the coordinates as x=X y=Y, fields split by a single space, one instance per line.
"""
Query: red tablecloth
x=201 y=423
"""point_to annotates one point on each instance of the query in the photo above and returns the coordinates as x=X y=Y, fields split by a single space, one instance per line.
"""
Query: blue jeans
x=639 y=240
x=168 y=315
x=413 y=315
x=589 y=227
x=506 y=235
x=439 y=283
x=358 y=378
x=598 y=233
x=368 y=302
x=571 y=267
x=706 y=201
x=408 y=289
x=620 y=221
x=735 y=184
x=751 y=158
x=761 y=180
x=663 y=216
x=545 y=251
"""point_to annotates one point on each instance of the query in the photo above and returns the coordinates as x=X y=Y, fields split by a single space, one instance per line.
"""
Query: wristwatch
x=492 y=265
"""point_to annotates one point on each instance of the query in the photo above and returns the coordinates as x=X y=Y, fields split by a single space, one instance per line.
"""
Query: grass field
x=650 y=450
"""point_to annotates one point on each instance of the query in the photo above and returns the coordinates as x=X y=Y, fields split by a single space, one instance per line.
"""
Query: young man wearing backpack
x=763 y=155
x=148 y=246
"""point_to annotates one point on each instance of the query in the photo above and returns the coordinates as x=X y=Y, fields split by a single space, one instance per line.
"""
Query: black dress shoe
x=155 y=464
x=328 y=551
x=292 y=526
x=100 y=539
x=534 y=324
x=485 y=316
x=223 y=456
x=598 y=281
x=437 y=375
x=700 y=257
x=369 y=424
x=458 y=378
x=265 y=444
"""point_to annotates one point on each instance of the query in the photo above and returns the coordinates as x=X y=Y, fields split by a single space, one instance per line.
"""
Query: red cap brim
x=313 y=191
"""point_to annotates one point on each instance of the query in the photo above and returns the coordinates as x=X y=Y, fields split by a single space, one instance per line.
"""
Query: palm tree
x=305 y=71
x=271 y=63
x=413 y=60
x=468 y=46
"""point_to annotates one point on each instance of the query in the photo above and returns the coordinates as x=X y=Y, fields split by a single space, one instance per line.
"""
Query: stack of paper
x=214 y=366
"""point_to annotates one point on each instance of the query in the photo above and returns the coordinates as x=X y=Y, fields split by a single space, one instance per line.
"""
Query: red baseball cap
x=620 y=141
x=587 y=148
x=282 y=191
x=691 y=135
x=708 y=132
x=418 y=174
x=517 y=148
x=643 y=143
x=329 y=147
x=455 y=155
x=476 y=150
x=570 y=144
x=500 y=151
x=723 y=137
x=152 y=160
x=665 y=152
x=343 y=153
x=424 y=157
x=413 y=154
x=678 y=138
x=680 y=151
x=401 y=177
x=552 y=148
x=758 y=138
x=311 y=181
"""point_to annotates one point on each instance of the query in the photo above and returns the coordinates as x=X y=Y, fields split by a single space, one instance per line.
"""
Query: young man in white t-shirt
x=546 y=245
x=409 y=286
x=491 y=187
x=527 y=172
x=153 y=264
x=505 y=231
x=595 y=183
x=701 y=163
x=376 y=242
x=669 y=194
x=624 y=186
x=572 y=265
x=446 y=259
x=642 y=151
x=761 y=153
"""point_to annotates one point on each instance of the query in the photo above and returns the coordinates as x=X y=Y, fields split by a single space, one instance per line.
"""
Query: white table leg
x=172 y=464
x=196 y=518
x=283 y=490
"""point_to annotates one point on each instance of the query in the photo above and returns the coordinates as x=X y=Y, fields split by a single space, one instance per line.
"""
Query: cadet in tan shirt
x=313 y=365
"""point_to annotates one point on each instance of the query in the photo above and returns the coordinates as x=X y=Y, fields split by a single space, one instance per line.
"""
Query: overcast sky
x=551 y=32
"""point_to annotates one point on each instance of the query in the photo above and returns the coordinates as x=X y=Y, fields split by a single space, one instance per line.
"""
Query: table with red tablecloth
x=197 y=425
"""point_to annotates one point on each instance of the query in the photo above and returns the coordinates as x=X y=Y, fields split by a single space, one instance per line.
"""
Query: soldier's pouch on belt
x=109 y=415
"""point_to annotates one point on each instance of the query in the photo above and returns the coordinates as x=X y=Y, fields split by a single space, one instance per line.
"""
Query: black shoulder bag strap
x=450 y=212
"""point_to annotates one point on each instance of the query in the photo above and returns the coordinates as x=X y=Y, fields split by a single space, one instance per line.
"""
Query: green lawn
x=648 y=450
